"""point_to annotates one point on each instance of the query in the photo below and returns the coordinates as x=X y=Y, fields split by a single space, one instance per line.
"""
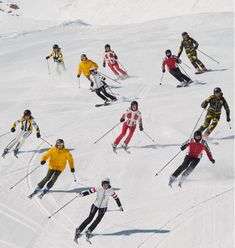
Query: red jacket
x=195 y=148
x=171 y=62
x=131 y=117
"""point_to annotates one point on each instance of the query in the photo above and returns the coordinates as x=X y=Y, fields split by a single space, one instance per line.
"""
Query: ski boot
x=106 y=102
x=125 y=146
x=77 y=235
x=16 y=151
x=181 y=181
x=34 y=193
x=5 y=152
x=206 y=135
x=172 y=179
x=88 y=236
x=43 y=193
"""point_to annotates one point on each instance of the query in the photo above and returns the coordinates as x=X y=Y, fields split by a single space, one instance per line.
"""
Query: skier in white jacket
x=103 y=194
x=98 y=85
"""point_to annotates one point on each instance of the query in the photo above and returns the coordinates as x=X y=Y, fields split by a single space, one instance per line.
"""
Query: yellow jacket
x=57 y=55
x=26 y=125
x=85 y=67
x=58 y=158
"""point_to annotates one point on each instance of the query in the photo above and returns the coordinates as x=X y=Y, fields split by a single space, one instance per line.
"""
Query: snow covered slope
x=197 y=216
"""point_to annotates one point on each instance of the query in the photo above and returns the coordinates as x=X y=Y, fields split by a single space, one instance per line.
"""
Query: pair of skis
x=40 y=196
x=77 y=236
x=15 y=154
x=121 y=147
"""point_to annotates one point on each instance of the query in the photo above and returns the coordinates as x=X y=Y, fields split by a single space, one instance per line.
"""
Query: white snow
x=200 y=214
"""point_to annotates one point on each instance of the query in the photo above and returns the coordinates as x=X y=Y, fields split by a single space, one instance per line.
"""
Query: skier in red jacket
x=196 y=147
x=112 y=59
x=130 y=119
x=171 y=61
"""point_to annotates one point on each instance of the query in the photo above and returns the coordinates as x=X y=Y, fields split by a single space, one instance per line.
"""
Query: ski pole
x=46 y=142
x=107 y=133
x=161 y=79
x=167 y=163
x=48 y=66
x=197 y=121
x=122 y=66
x=148 y=136
x=74 y=178
x=113 y=210
x=109 y=78
x=184 y=71
x=64 y=206
x=79 y=85
x=186 y=65
x=209 y=56
x=24 y=177
x=229 y=125
x=4 y=134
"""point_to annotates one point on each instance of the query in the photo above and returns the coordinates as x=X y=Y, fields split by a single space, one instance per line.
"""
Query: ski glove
x=13 y=129
x=212 y=161
x=228 y=119
x=121 y=208
x=78 y=76
x=104 y=64
x=47 y=57
x=38 y=135
x=182 y=148
x=72 y=170
x=163 y=70
x=92 y=84
x=43 y=162
x=122 y=120
x=141 y=128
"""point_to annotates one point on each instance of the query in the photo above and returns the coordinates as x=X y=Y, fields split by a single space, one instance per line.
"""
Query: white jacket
x=102 y=196
x=97 y=79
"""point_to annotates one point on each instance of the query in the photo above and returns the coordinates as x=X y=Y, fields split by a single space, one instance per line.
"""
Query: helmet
x=27 y=112
x=59 y=142
x=134 y=103
x=197 y=133
x=184 y=33
x=107 y=46
x=168 y=52
x=217 y=89
x=93 y=70
x=105 y=180
x=55 y=46
x=83 y=56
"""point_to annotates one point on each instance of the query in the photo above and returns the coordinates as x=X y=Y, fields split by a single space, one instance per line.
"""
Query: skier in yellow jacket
x=57 y=57
x=27 y=123
x=58 y=158
x=84 y=67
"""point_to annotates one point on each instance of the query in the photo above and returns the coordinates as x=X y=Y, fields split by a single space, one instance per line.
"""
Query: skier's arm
x=185 y=145
x=205 y=103
x=95 y=65
x=163 y=66
x=80 y=69
x=115 y=197
x=60 y=56
x=122 y=119
x=51 y=54
x=115 y=55
x=88 y=192
x=46 y=155
x=180 y=49
x=15 y=123
x=196 y=44
x=71 y=162
x=35 y=126
x=140 y=123
x=226 y=107
x=208 y=152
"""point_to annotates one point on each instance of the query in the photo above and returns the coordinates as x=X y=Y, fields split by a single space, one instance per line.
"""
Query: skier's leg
x=191 y=167
x=23 y=138
x=116 y=65
x=97 y=220
x=176 y=74
x=15 y=141
x=183 y=166
x=98 y=93
x=46 y=179
x=107 y=94
x=53 y=179
x=123 y=133
x=113 y=69
x=63 y=65
x=192 y=59
x=214 y=123
x=199 y=62
x=89 y=218
x=131 y=132
x=206 y=122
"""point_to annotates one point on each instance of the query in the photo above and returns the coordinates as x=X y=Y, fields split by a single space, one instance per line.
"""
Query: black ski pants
x=102 y=93
x=51 y=176
x=94 y=209
x=179 y=75
x=187 y=166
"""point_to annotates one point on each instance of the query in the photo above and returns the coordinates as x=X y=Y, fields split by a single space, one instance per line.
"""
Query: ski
x=88 y=240
x=32 y=195
x=125 y=149
x=102 y=104
x=77 y=236
x=200 y=72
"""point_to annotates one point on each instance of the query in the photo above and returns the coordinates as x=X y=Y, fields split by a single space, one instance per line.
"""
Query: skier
x=171 y=61
x=101 y=203
x=111 y=58
x=130 y=119
x=58 y=157
x=196 y=146
x=98 y=85
x=191 y=46
x=27 y=123
x=84 y=67
x=216 y=102
x=57 y=57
